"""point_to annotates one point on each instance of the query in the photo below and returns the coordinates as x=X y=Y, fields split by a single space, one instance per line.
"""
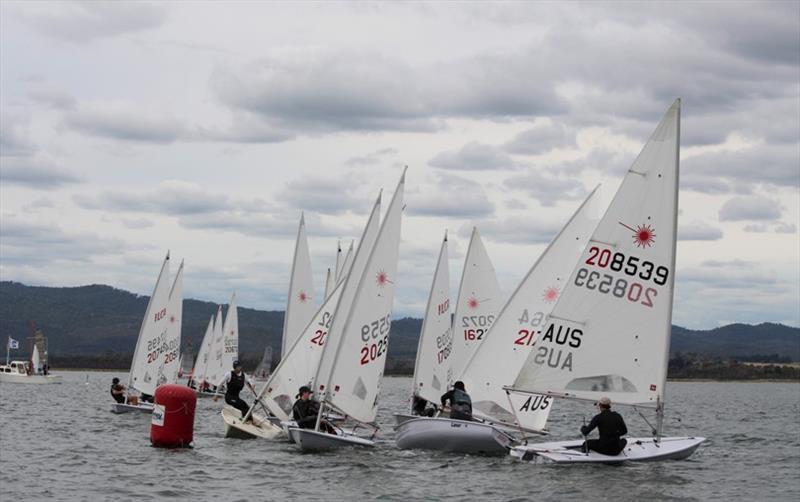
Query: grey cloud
x=780 y=227
x=53 y=98
x=281 y=226
x=244 y=128
x=472 y=157
x=14 y=137
x=371 y=158
x=757 y=228
x=323 y=195
x=514 y=230
x=698 y=231
x=170 y=197
x=35 y=172
x=541 y=138
x=446 y=197
x=137 y=223
x=545 y=188
x=727 y=171
x=86 y=21
x=785 y=228
x=754 y=207
x=123 y=123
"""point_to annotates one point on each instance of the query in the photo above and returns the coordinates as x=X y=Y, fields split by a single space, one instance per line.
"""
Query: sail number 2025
x=376 y=332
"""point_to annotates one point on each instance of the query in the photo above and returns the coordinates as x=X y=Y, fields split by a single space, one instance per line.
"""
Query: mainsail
x=498 y=360
x=353 y=383
x=153 y=332
x=214 y=370
x=172 y=344
x=301 y=362
x=203 y=355
x=300 y=304
x=230 y=338
x=432 y=374
x=347 y=263
x=609 y=333
x=479 y=300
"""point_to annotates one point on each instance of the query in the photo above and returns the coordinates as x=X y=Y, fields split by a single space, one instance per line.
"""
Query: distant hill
x=100 y=319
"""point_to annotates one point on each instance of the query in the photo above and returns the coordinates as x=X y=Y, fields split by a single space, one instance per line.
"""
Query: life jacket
x=236 y=384
x=461 y=402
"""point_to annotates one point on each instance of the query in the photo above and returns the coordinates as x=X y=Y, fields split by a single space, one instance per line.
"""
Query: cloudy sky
x=206 y=128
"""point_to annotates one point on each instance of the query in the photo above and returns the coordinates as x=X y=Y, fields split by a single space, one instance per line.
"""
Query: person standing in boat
x=305 y=411
x=611 y=427
x=234 y=383
x=460 y=402
x=117 y=391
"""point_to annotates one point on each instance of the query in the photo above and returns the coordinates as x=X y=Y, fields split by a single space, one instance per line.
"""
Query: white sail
x=230 y=338
x=300 y=364
x=347 y=263
x=432 y=375
x=516 y=328
x=153 y=332
x=36 y=362
x=214 y=370
x=172 y=345
x=300 y=306
x=358 y=266
x=203 y=355
x=337 y=269
x=329 y=282
x=609 y=333
x=479 y=300
x=353 y=385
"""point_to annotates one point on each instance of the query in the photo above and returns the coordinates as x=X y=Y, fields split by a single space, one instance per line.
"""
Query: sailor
x=419 y=406
x=611 y=427
x=117 y=391
x=460 y=402
x=234 y=382
x=305 y=411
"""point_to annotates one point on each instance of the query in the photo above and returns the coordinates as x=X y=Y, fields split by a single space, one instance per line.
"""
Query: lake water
x=60 y=442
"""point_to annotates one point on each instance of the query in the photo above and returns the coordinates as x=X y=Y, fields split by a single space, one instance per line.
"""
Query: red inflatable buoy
x=172 y=424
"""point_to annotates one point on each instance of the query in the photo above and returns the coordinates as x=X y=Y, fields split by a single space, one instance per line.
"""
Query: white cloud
x=473 y=156
x=754 y=207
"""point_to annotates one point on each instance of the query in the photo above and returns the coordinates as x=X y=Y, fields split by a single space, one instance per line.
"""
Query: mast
x=660 y=404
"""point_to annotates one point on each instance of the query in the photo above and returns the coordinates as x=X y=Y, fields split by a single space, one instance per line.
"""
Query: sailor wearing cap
x=611 y=427
x=305 y=411
x=234 y=383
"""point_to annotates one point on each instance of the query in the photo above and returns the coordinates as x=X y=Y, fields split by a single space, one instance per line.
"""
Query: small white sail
x=214 y=370
x=500 y=357
x=358 y=266
x=153 y=332
x=203 y=355
x=230 y=338
x=353 y=385
x=432 y=374
x=36 y=362
x=300 y=306
x=172 y=345
x=609 y=333
x=329 y=282
x=479 y=300
x=347 y=263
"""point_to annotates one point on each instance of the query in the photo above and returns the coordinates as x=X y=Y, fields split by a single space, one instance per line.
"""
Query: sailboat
x=609 y=333
x=300 y=306
x=301 y=362
x=152 y=335
x=264 y=367
x=171 y=350
x=498 y=417
x=214 y=368
x=29 y=372
x=479 y=299
x=198 y=378
x=350 y=380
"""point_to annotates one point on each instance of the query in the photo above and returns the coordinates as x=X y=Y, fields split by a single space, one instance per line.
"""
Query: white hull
x=399 y=418
x=258 y=428
x=129 y=408
x=311 y=440
x=637 y=450
x=29 y=379
x=446 y=434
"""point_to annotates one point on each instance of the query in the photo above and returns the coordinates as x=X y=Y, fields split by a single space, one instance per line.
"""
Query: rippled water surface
x=60 y=442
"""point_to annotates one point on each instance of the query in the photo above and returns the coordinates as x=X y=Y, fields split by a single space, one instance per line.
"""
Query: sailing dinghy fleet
x=590 y=319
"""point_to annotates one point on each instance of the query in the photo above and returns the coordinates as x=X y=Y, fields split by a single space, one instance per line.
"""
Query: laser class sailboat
x=354 y=356
x=300 y=306
x=501 y=354
x=609 y=332
x=301 y=363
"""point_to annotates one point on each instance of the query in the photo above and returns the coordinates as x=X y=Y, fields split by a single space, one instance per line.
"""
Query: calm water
x=60 y=442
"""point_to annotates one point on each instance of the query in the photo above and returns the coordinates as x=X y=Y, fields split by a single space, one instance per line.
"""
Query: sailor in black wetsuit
x=305 y=411
x=611 y=427
x=460 y=402
x=117 y=391
x=234 y=383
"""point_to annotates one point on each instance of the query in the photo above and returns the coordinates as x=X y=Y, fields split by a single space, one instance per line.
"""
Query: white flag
x=12 y=344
